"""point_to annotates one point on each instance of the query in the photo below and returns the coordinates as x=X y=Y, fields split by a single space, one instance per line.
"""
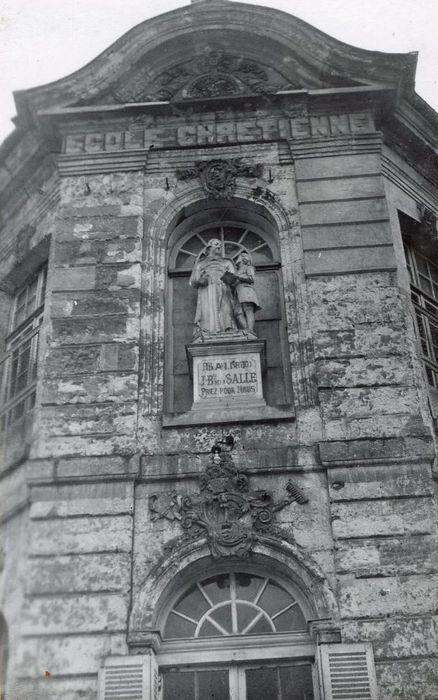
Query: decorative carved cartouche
x=225 y=508
x=218 y=177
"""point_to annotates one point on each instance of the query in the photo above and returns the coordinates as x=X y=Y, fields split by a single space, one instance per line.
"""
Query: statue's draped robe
x=214 y=310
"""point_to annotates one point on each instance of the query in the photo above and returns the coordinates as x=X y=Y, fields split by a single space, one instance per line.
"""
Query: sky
x=43 y=40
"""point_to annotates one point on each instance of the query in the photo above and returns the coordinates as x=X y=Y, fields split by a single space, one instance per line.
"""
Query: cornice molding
x=310 y=52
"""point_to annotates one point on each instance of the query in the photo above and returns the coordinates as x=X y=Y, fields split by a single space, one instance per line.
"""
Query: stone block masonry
x=299 y=174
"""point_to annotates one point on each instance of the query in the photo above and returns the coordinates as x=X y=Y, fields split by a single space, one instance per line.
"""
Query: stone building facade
x=227 y=514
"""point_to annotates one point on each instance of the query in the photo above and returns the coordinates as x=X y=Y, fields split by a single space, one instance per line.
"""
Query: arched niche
x=239 y=224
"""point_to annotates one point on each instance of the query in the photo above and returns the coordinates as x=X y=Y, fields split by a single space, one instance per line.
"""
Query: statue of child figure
x=246 y=299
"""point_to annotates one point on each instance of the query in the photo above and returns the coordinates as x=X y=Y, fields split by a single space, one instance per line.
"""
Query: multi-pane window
x=243 y=682
x=424 y=293
x=237 y=636
x=19 y=366
x=235 y=603
x=235 y=239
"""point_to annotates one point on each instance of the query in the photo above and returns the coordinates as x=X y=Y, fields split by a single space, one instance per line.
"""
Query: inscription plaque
x=222 y=377
x=227 y=375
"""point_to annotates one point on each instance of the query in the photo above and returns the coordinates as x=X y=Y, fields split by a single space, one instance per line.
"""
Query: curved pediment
x=216 y=49
x=209 y=72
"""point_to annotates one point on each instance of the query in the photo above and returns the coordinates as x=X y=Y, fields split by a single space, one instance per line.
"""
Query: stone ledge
x=188 y=465
x=338 y=453
x=237 y=415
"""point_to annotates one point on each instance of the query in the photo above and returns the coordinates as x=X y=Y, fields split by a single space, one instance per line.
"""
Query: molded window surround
x=422 y=264
x=235 y=635
x=18 y=367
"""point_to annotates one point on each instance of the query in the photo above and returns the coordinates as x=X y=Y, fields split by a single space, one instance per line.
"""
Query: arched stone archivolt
x=163 y=220
x=189 y=562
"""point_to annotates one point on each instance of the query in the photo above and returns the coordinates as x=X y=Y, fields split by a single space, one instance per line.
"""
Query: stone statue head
x=214 y=247
x=244 y=257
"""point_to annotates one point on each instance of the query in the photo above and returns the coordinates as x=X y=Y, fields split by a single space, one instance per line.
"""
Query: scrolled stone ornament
x=218 y=177
x=227 y=510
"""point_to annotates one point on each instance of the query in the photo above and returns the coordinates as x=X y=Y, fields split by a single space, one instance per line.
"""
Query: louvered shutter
x=347 y=672
x=129 y=678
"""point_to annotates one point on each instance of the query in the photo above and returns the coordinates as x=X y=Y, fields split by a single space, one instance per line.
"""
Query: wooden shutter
x=347 y=672
x=129 y=678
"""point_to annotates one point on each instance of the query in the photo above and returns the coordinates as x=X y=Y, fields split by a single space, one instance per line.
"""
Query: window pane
x=178 y=685
x=422 y=265
x=14 y=371
x=232 y=250
x=433 y=272
x=18 y=411
x=434 y=336
x=43 y=287
x=184 y=260
x=28 y=299
x=234 y=233
x=262 y=626
x=193 y=604
x=34 y=365
x=252 y=240
x=296 y=682
x=20 y=315
x=193 y=245
x=222 y=615
x=262 y=683
x=425 y=285
x=245 y=615
x=431 y=308
x=274 y=598
x=21 y=382
x=290 y=621
x=248 y=586
x=262 y=255
x=177 y=627
x=31 y=297
x=431 y=377
x=217 y=588
x=208 y=630
x=208 y=233
x=212 y=685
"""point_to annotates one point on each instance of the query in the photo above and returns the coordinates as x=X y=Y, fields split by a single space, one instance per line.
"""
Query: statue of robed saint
x=215 y=305
x=226 y=297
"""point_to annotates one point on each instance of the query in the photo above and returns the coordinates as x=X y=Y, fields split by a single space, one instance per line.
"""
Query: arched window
x=234 y=603
x=239 y=228
x=237 y=635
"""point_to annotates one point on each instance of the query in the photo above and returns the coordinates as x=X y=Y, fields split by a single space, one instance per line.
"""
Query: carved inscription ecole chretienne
x=172 y=134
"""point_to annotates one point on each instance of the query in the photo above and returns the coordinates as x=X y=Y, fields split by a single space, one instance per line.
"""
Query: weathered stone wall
x=360 y=447
x=377 y=443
